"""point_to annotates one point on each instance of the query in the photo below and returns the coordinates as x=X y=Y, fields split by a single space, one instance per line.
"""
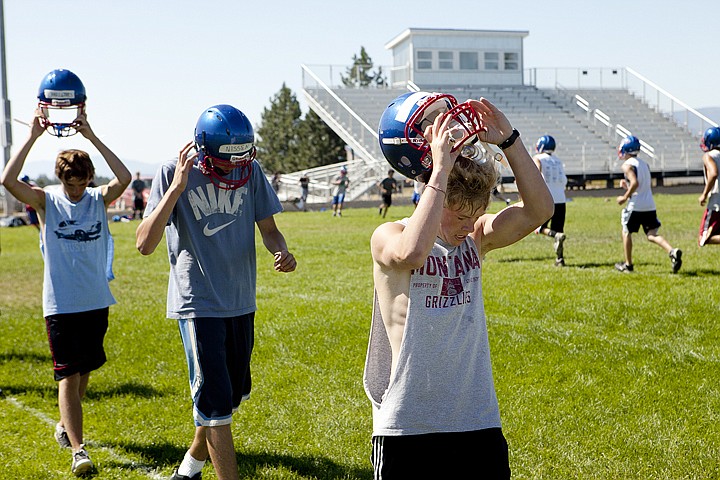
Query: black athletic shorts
x=475 y=454
x=632 y=221
x=557 y=221
x=218 y=352
x=76 y=341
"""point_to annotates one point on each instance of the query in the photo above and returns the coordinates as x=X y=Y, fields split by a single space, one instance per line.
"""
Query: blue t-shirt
x=75 y=248
x=211 y=242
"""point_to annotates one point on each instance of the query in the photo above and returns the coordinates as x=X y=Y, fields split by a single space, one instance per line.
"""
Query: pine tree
x=360 y=73
x=277 y=143
x=318 y=143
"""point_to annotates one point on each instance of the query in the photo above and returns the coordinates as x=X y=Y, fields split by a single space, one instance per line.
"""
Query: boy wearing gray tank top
x=428 y=373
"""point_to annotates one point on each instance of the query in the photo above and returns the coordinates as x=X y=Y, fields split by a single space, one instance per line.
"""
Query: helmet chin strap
x=219 y=180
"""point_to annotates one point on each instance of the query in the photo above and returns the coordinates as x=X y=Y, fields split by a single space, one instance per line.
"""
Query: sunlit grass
x=600 y=375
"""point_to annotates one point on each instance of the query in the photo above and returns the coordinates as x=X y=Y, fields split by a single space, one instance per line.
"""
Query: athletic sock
x=190 y=466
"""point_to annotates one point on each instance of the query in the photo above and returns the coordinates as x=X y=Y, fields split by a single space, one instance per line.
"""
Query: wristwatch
x=510 y=140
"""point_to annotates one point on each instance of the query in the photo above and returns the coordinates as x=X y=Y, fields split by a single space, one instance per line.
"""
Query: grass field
x=600 y=375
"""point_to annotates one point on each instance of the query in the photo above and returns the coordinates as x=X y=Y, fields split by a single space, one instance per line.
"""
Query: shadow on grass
x=550 y=259
x=698 y=272
x=250 y=464
x=608 y=265
x=26 y=357
x=542 y=258
x=48 y=391
x=126 y=389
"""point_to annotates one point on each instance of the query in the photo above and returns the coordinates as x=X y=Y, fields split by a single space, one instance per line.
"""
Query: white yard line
x=125 y=462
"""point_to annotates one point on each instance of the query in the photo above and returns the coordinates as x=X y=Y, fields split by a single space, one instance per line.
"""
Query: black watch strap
x=510 y=140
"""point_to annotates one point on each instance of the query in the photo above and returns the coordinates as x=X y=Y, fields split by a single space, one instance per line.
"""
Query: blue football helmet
x=630 y=145
x=403 y=123
x=546 y=143
x=62 y=96
x=225 y=140
x=711 y=139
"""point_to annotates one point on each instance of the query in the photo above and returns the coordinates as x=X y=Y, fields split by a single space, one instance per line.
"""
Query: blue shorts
x=218 y=352
x=32 y=216
x=76 y=341
x=338 y=199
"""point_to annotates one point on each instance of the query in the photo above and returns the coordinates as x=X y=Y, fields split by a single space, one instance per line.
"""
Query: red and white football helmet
x=402 y=128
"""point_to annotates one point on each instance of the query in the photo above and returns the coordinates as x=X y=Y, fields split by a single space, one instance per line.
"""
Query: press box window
x=445 y=60
x=492 y=61
x=512 y=61
x=468 y=61
x=424 y=60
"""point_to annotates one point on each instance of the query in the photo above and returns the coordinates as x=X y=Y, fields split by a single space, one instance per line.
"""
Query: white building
x=451 y=58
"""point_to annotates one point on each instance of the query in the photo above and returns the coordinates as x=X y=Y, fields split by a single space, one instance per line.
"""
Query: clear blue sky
x=151 y=66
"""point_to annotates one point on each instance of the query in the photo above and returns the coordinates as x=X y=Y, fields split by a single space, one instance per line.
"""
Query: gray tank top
x=443 y=381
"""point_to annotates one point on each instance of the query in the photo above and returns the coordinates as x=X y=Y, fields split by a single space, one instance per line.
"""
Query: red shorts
x=709 y=226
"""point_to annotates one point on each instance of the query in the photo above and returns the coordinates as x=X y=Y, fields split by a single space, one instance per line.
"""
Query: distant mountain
x=695 y=124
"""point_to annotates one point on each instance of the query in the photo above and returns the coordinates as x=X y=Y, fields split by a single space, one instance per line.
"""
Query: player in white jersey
x=553 y=173
x=709 y=233
x=640 y=208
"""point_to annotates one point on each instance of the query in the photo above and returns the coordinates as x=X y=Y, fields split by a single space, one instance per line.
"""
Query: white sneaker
x=61 y=436
x=81 y=463
x=559 y=240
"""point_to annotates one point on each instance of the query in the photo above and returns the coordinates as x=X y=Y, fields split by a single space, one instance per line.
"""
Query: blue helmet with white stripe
x=402 y=126
x=711 y=139
x=629 y=146
x=61 y=99
x=546 y=143
x=225 y=140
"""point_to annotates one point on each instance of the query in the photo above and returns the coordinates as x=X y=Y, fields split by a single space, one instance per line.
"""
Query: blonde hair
x=470 y=184
x=74 y=164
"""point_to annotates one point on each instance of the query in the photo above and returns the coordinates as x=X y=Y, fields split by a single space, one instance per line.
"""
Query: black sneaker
x=560 y=262
x=623 y=267
x=676 y=259
x=177 y=476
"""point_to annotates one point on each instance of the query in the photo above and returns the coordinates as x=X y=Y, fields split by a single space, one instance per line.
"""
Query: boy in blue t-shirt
x=75 y=243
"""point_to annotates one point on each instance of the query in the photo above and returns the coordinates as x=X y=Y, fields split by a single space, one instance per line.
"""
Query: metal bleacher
x=587 y=125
